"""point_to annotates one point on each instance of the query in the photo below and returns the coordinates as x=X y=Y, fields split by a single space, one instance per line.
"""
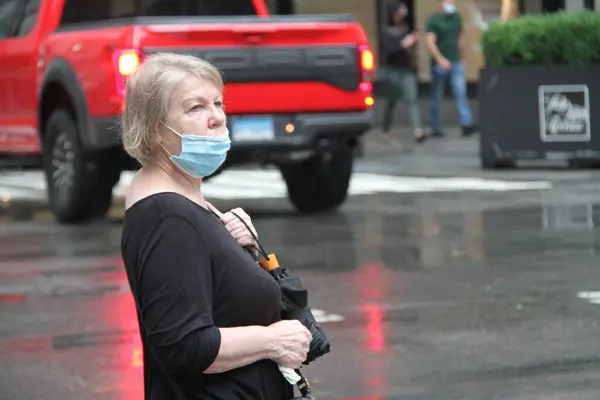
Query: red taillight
x=125 y=62
x=367 y=61
x=367 y=71
x=365 y=87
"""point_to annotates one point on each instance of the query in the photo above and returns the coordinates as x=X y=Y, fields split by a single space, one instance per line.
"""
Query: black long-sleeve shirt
x=392 y=52
x=189 y=278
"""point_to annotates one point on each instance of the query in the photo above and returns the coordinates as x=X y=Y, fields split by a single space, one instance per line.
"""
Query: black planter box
x=539 y=113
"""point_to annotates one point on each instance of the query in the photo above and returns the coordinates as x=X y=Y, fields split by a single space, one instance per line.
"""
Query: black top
x=188 y=277
x=393 y=54
x=390 y=38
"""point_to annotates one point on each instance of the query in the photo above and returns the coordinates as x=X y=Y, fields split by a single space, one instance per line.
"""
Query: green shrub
x=549 y=39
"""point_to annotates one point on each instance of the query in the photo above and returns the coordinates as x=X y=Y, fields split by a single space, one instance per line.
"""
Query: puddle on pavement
x=408 y=245
x=65 y=291
x=89 y=282
x=17 y=254
x=85 y=291
x=33 y=210
x=66 y=342
x=34 y=345
x=543 y=369
x=13 y=297
x=86 y=271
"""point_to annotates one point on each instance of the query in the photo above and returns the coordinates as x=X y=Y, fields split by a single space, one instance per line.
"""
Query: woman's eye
x=219 y=104
x=197 y=107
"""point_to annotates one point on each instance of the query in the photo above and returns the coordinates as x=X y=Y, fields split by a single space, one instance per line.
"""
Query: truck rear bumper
x=311 y=133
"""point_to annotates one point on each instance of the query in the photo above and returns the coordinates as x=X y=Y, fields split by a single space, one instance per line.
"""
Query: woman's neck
x=165 y=176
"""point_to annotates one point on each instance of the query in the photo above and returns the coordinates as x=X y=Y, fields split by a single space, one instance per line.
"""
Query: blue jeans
x=459 y=90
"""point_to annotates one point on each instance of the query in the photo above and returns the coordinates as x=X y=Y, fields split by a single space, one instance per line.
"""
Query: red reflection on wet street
x=372 y=288
x=120 y=313
x=374 y=327
x=12 y=298
x=32 y=345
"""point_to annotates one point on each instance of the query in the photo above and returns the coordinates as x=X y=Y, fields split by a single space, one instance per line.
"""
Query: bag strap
x=302 y=384
x=259 y=246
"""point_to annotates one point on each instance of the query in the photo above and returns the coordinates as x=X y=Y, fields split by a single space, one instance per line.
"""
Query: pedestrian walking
x=398 y=71
x=444 y=43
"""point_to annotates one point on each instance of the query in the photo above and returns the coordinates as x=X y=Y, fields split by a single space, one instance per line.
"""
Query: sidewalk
x=451 y=156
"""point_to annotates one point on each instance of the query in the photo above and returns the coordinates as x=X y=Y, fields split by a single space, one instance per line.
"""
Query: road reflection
x=377 y=367
x=419 y=294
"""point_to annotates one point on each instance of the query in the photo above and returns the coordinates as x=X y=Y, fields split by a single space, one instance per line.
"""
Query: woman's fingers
x=236 y=227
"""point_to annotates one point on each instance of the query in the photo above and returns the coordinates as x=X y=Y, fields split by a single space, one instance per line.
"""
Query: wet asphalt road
x=444 y=295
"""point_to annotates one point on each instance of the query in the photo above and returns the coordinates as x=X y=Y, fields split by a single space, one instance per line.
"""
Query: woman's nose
x=217 y=119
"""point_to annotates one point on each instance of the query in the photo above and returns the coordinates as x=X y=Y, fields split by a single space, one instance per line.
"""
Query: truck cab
x=298 y=90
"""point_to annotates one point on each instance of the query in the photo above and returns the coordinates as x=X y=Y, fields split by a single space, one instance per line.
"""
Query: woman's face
x=196 y=108
x=400 y=14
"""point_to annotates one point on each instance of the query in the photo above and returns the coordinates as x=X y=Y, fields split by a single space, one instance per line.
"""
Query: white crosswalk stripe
x=592 y=297
x=255 y=184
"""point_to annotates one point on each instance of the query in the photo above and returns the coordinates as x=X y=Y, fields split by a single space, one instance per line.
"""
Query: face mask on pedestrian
x=200 y=156
x=449 y=8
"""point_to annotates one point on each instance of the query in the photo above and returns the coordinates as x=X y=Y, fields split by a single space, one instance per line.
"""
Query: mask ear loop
x=260 y=249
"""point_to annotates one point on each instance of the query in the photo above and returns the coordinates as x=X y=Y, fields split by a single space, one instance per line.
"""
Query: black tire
x=79 y=185
x=319 y=183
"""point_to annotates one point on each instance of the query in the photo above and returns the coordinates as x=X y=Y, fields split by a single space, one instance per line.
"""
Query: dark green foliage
x=549 y=39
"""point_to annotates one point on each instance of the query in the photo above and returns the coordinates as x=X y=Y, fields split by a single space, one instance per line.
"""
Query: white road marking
x=322 y=317
x=256 y=184
x=592 y=297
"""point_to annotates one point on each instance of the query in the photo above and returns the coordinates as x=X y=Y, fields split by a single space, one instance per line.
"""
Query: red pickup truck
x=298 y=90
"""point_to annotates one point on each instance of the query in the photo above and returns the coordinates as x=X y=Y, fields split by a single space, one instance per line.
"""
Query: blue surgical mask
x=449 y=8
x=200 y=156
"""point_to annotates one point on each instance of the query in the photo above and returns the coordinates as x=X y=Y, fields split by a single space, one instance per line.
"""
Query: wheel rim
x=63 y=170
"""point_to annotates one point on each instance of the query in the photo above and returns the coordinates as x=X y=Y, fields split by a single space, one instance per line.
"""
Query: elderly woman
x=209 y=316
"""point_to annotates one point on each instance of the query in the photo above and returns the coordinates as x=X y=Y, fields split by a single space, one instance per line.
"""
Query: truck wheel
x=79 y=185
x=319 y=183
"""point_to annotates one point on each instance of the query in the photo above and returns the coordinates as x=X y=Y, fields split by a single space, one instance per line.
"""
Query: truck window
x=30 y=13
x=8 y=12
x=197 y=7
x=96 y=10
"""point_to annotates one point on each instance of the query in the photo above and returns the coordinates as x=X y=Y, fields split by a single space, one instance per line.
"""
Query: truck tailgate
x=274 y=64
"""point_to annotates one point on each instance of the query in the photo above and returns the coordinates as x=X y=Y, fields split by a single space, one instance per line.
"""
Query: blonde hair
x=149 y=92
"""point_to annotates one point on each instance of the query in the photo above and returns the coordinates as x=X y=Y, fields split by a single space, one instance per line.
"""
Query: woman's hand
x=410 y=40
x=237 y=229
x=291 y=342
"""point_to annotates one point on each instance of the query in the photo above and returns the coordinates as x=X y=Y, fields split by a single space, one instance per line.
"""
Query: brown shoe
x=420 y=137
